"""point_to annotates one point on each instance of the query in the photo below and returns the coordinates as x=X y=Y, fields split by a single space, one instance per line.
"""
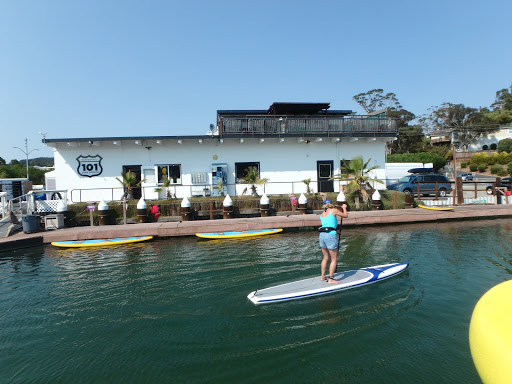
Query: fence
x=472 y=192
x=184 y=190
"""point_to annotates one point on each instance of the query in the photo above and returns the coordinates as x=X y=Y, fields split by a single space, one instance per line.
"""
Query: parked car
x=505 y=182
x=427 y=182
x=466 y=176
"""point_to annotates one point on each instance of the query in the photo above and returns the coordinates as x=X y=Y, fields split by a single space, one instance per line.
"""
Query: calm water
x=176 y=310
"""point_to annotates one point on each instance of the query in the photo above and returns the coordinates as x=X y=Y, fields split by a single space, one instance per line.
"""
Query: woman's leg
x=332 y=267
x=325 y=259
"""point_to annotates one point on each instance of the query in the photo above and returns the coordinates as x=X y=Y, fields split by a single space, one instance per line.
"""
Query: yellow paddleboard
x=436 y=208
x=234 y=235
x=101 y=242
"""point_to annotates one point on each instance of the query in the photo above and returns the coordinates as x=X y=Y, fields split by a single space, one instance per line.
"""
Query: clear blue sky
x=127 y=68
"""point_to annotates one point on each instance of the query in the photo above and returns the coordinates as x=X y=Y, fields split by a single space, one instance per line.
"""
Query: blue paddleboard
x=314 y=286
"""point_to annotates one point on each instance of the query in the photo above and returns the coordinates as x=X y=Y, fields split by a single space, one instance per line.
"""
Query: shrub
x=421 y=157
x=496 y=168
x=473 y=167
x=509 y=168
x=482 y=168
x=480 y=159
x=505 y=145
x=502 y=173
x=503 y=158
x=494 y=158
x=464 y=165
x=494 y=146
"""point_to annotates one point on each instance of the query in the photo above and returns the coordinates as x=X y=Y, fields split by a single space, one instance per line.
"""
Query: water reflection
x=178 y=308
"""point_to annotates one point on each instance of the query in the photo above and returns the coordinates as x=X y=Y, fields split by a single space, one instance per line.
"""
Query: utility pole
x=26 y=152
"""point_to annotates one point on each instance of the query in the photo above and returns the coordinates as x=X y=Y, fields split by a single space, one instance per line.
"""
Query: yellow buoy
x=490 y=335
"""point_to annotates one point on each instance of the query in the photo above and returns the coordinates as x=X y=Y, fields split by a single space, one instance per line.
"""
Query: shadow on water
x=177 y=309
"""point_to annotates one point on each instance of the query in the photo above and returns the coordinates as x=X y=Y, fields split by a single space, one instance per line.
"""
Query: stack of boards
x=240 y=234
x=314 y=286
x=100 y=242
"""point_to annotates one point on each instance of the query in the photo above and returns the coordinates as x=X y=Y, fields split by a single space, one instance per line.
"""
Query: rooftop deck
x=331 y=126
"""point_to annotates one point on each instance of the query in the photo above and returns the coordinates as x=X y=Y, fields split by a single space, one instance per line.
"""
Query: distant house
x=485 y=142
x=286 y=143
x=445 y=136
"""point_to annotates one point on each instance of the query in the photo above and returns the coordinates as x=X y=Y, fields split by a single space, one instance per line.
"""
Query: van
x=429 y=184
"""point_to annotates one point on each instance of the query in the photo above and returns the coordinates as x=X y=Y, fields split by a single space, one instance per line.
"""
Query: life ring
x=490 y=334
x=56 y=196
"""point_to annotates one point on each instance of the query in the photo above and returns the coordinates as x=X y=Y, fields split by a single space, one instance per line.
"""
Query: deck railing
x=276 y=125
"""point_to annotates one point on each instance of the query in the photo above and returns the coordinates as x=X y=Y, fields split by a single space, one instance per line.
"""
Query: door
x=324 y=170
x=136 y=190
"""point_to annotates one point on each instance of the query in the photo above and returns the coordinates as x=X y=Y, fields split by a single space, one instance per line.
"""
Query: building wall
x=285 y=164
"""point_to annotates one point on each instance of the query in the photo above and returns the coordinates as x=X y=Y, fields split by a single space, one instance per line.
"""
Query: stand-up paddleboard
x=436 y=208
x=233 y=235
x=101 y=242
x=314 y=286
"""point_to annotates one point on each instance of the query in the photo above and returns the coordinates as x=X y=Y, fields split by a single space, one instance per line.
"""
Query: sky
x=111 y=68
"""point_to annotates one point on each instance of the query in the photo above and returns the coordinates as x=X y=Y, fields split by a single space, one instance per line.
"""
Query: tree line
x=17 y=169
x=465 y=123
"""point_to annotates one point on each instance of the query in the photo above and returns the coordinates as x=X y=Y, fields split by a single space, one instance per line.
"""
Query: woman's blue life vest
x=329 y=224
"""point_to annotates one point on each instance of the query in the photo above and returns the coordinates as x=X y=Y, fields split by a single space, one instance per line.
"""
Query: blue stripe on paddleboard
x=238 y=233
x=372 y=280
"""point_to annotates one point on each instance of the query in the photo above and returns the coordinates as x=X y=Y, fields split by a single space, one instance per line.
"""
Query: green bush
x=473 y=167
x=480 y=159
x=493 y=159
x=464 y=165
x=509 y=168
x=496 y=168
x=438 y=161
x=482 y=168
x=502 y=173
x=505 y=145
x=504 y=158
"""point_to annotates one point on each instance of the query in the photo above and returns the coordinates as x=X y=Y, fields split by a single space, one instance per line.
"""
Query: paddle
x=339 y=238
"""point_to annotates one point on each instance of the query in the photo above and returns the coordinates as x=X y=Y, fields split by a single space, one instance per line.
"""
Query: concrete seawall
x=190 y=228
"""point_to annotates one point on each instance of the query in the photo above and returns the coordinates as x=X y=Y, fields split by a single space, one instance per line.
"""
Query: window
x=324 y=171
x=172 y=171
x=242 y=168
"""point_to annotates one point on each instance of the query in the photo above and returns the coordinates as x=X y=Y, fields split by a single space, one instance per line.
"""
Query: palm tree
x=219 y=186
x=307 y=182
x=128 y=180
x=252 y=176
x=357 y=174
x=166 y=182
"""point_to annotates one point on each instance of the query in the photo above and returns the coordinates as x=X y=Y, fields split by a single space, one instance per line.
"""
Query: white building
x=287 y=143
x=481 y=143
x=491 y=138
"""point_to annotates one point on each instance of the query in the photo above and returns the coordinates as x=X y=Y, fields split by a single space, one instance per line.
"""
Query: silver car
x=466 y=176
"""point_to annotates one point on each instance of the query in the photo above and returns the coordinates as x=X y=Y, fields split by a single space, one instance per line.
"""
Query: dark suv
x=427 y=183
x=505 y=182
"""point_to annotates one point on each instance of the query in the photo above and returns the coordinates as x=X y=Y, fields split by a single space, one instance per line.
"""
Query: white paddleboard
x=314 y=286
